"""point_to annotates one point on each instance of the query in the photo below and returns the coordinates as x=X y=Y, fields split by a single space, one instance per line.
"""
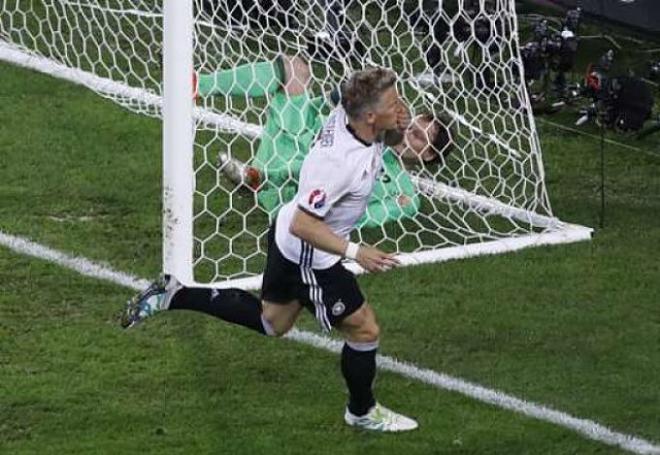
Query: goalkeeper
x=294 y=120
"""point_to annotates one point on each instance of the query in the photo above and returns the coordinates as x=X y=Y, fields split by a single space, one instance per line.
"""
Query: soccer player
x=294 y=120
x=306 y=244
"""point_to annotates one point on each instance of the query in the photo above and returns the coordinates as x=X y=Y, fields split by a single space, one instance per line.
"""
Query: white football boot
x=379 y=418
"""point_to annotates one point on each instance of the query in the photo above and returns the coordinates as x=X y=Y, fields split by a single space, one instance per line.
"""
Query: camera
x=620 y=102
x=550 y=51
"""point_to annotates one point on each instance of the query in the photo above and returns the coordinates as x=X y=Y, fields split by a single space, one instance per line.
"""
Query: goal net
x=233 y=155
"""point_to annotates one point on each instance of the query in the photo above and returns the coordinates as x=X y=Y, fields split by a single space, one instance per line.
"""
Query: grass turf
x=574 y=327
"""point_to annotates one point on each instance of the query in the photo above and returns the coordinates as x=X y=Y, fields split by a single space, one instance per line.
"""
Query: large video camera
x=552 y=50
x=623 y=103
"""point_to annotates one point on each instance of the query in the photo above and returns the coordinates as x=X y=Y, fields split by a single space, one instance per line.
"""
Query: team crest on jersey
x=338 y=308
x=317 y=199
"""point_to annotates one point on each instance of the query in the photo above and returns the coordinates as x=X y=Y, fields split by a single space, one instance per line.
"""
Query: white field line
x=587 y=428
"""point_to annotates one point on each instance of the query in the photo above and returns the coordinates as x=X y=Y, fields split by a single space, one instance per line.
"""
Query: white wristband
x=351 y=251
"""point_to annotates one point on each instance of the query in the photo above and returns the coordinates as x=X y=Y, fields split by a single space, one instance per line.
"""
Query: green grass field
x=573 y=327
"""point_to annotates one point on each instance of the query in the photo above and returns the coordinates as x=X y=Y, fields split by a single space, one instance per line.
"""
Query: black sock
x=231 y=305
x=358 y=365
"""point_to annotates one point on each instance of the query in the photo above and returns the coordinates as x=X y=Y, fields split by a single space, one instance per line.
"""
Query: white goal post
x=456 y=59
x=178 y=176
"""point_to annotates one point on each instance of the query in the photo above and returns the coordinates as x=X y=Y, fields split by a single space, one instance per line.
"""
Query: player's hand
x=403 y=117
x=375 y=260
x=396 y=135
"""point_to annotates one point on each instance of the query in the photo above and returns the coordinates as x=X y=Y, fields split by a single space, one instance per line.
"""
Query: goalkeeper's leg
x=238 y=172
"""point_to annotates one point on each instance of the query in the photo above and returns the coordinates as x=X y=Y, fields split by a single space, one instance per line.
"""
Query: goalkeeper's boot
x=238 y=172
x=379 y=418
x=155 y=298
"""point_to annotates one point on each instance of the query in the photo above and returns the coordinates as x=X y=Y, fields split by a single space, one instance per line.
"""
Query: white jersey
x=336 y=180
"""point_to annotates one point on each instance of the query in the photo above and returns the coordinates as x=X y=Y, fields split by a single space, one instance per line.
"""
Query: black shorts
x=330 y=294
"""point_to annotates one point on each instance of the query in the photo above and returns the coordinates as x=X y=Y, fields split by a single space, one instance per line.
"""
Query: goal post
x=456 y=59
x=178 y=176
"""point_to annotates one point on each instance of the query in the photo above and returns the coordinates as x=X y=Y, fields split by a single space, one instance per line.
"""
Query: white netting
x=458 y=59
x=117 y=44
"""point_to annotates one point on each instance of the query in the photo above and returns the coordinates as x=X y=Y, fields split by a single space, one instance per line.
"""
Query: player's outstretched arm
x=315 y=232
x=253 y=80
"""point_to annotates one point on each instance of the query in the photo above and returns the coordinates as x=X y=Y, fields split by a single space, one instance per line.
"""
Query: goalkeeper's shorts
x=329 y=294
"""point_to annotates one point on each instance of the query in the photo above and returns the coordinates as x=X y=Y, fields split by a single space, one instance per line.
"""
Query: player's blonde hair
x=362 y=90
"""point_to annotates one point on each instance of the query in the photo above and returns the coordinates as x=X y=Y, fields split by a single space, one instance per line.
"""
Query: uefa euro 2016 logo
x=317 y=199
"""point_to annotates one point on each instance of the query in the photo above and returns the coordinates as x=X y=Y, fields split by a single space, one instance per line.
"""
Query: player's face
x=386 y=112
x=417 y=140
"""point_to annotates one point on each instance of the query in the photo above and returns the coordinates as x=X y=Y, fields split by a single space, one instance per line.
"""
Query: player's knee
x=366 y=333
x=279 y=333
x=279 y=319
x=370 y=332
x=277 y=327
x=282 y=329
x=362 y=326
